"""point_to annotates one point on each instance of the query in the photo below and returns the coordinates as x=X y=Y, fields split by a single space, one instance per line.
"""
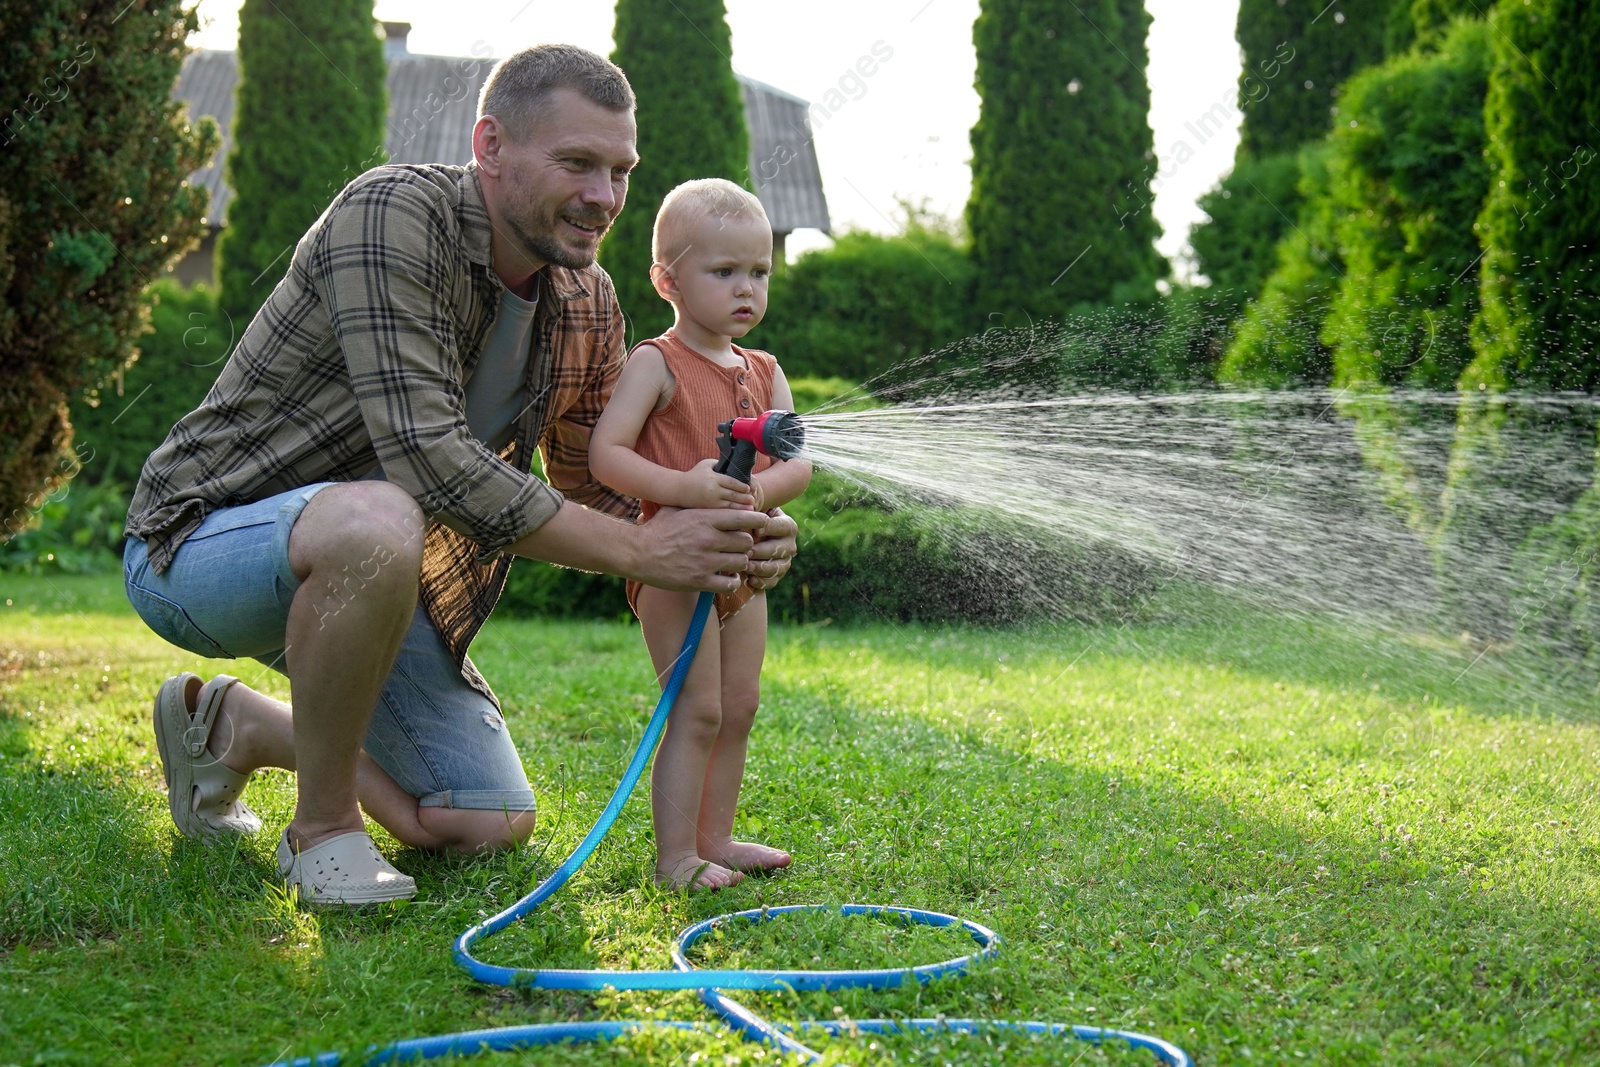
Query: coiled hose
x=709 y=983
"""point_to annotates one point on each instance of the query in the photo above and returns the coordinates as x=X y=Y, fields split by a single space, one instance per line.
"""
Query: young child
x=657 y=440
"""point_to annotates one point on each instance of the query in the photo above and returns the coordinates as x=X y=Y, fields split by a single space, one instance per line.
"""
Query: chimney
x=394 y=39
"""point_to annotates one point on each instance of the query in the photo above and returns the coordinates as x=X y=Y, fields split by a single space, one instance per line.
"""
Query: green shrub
x=1276 y=342
x=868 y=303
x=1322 y=53
x=123 y=420
x=1061 y=160
x=119 y=422
x=1246 y=215
x=1515 y=469
x=1539 y=226
x=79 y=531
x=1196 y=325
x=310 y=118
x=540 y=589
x=1556 y=598
x=862 y=562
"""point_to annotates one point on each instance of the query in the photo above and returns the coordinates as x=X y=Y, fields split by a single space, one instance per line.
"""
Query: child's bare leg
x=679 y=772
x=743 y=645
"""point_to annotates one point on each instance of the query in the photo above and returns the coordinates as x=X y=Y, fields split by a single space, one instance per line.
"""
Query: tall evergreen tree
x=678 y=56
x=94 y=203
x=310 y=118
x=1329 y=42
x=1296 y=55
x=1061 y=159
x=1540 y=226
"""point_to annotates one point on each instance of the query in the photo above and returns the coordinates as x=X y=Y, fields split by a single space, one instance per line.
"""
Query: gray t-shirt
x=495 y=391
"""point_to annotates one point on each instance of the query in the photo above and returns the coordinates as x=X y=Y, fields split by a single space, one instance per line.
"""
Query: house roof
x=433 y=102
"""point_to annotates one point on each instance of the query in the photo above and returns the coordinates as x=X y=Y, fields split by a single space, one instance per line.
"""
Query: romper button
x=744 y=403
x=740 y=379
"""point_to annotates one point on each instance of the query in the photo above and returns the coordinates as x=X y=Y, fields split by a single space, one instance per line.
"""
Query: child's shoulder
x=760 y=356
x=652 y=346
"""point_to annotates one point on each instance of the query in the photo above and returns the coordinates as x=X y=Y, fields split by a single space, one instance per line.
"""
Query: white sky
x=904 y=137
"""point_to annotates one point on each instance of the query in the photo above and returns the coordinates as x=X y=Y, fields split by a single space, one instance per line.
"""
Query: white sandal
x=347 y=869
x=202 y=791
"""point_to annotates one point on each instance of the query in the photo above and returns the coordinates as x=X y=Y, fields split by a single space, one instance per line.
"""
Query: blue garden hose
x=710 y=983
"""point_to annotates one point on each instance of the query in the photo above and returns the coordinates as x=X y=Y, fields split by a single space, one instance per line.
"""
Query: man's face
x=565 y=182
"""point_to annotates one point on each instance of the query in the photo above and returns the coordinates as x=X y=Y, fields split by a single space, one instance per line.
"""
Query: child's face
x=722 y=278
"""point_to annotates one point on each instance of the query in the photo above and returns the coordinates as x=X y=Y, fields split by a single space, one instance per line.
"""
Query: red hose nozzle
x=775 y=433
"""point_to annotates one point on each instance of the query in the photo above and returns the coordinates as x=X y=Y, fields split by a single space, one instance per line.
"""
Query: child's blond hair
x=693 y=202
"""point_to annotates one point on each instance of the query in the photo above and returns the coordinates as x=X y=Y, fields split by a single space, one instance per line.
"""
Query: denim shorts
x=227 y=595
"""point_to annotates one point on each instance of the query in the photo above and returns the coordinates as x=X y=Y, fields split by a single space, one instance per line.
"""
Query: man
x=344 y=504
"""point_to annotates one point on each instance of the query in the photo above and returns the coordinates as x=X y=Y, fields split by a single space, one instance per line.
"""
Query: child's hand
x=703 y=487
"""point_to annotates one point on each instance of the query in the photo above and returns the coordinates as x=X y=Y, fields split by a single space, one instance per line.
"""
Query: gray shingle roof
x=433 y=101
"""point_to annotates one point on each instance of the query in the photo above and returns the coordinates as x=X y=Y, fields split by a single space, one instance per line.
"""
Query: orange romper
x=685 y=431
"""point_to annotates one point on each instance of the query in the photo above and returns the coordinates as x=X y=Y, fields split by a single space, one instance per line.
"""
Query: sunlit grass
x=1266 y=842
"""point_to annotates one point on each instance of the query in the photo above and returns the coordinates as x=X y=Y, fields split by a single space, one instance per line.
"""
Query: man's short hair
x=689 y=203
x=519 y=87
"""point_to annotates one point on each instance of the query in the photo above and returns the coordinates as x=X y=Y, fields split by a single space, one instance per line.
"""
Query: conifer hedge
x=1407 y=173
x=1540 y=227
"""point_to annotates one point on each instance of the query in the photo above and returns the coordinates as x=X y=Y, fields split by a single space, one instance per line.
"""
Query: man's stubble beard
x=545 y=248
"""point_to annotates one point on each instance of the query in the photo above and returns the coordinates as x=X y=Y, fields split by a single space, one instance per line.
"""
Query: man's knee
x=362 y=532
x=476 y=830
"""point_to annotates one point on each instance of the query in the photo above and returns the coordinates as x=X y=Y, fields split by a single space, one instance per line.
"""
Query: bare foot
x=748 y=856
x=692 y=872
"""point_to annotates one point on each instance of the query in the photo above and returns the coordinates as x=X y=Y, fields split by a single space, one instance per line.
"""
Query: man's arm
x=704 y=550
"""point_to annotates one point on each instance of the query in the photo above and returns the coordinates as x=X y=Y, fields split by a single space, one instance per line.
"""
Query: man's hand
x=769 y=558
x=699 y=549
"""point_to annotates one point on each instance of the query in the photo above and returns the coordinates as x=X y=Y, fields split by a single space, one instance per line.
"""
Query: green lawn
x=1265 y=842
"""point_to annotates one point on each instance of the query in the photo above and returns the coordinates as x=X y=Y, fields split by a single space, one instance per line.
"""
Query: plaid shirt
x=358 y=360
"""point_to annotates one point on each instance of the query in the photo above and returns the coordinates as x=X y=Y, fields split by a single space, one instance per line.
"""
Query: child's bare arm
x=612 y=458
x=786 y=478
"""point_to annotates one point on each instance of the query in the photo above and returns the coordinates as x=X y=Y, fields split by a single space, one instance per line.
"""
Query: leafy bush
x=1196 y=327
x=1277 y=342
x=1540 y=221
x=1061 y=160
x=1515 y=469
x=691 y=125
x=79 y=531
x=868 y=303
x=540 y=589
x=123 y=420
x=118 y=423
x=1316 y=55
x=1556 y=601
x=302 y=129
x=859 y=562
